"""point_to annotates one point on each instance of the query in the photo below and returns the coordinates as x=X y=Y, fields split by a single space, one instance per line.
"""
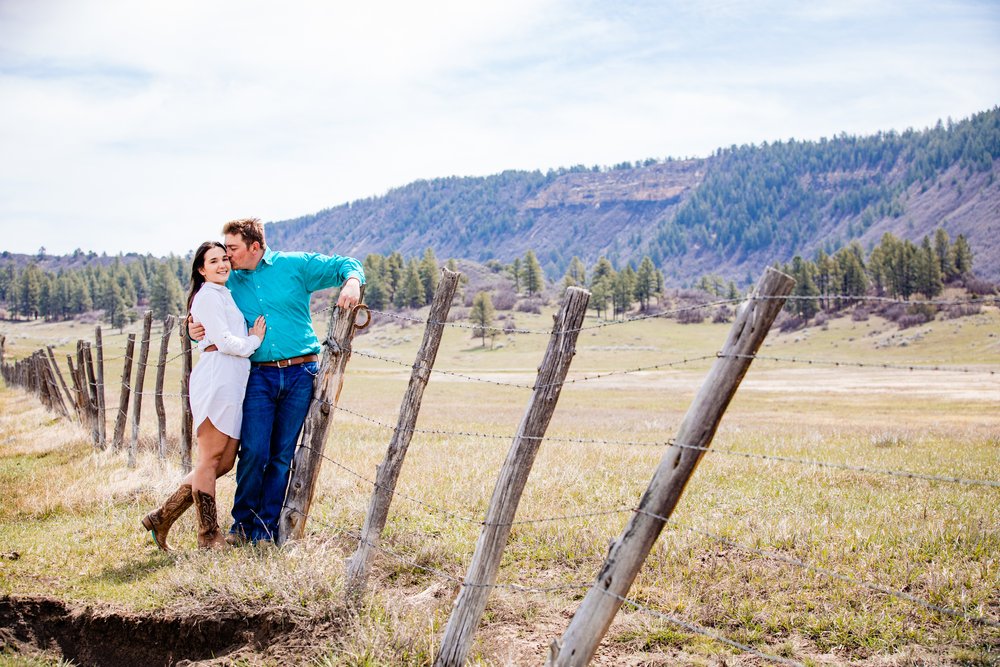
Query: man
x=277 y=285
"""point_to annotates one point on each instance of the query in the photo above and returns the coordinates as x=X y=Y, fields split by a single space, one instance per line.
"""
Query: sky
x=142 y=127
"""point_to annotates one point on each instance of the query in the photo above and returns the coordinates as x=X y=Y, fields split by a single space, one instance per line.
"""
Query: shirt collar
x=268 y=255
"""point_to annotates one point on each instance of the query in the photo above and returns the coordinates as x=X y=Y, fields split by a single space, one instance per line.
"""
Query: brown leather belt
x=211 y=348
x=284 y=363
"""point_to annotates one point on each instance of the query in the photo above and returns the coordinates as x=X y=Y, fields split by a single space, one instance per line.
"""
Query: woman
x=217 y=386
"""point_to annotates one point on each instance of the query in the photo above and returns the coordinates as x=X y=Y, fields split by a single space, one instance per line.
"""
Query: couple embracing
x=252 y=387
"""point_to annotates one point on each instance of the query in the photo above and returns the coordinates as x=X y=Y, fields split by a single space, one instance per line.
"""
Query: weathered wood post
x=627 y=554
x=41 y=380
x=119 y=438
x=55 y=397
x=102 y=416
x=388 y=472
x=161 y=367
x=59 y=375
x=309 y=454
x=187 y=437
x=76 y=401
x=95 y=429
x=3 y=342
x=140 y=375
x=479 y=580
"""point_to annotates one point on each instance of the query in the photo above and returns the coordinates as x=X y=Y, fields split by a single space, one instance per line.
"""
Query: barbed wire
x=857 y=364
x=379 y=546
x=948 y=611
x=455 y=515
x=717 y=450
x=693 y=627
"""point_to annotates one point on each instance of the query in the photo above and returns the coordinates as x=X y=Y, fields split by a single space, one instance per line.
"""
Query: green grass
x=72 y=514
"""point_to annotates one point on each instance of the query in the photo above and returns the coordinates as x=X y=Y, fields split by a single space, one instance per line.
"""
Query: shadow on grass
x=136 y=570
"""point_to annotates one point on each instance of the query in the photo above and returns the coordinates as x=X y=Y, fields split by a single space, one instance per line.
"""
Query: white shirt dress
x=219 y=380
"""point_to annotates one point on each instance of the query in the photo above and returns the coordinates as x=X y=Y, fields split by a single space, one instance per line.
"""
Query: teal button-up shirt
x=279 y=289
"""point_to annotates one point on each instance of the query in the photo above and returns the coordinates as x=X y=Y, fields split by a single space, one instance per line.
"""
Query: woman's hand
x=259 y=328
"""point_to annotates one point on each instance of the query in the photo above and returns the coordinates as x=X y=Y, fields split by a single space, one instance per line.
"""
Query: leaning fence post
x=161 y=366
x=92 y=403
x=55 y=397
x=140 y=375
x=102 y=424
x=309 y=454
x=75 y=399
x=186 y=417
x=479 y=580
x=59 y=375
x=627 y=554
x=119 y=438
x=388 y=472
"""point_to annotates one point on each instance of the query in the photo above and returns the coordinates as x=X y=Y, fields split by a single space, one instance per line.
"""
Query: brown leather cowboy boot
x=158 y=521
x=209 y=536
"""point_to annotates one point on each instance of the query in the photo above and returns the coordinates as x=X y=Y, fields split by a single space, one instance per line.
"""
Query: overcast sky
x=137 y=126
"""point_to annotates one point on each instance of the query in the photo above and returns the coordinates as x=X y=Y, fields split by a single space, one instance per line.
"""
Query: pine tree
x=482 y=315
x=430 y=274
x=802 y=271
x=942 y=248
x=532 y=271
x=645 y=282
x=961 y=255
x=411 y=292
x=602 y=278
x=928 y=278
x=165 y=296
x=515 y=271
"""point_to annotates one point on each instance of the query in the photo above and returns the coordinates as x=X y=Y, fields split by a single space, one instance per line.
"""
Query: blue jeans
x=274 y=409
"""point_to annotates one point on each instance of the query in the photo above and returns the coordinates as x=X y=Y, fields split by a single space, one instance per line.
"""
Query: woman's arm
x=209 y=309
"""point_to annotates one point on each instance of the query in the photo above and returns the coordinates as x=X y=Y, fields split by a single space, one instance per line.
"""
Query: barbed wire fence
x=40 y=374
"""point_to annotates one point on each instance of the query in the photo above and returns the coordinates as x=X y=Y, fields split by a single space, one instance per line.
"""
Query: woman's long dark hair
x=197 y=280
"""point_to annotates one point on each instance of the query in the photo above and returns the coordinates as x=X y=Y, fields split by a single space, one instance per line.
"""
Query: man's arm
x=350 y=293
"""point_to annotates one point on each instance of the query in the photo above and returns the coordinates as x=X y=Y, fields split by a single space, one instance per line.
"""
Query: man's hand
x=195 y=330
x=350 y=293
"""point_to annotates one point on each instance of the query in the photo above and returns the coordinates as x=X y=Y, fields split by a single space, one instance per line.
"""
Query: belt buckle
x=283 y=363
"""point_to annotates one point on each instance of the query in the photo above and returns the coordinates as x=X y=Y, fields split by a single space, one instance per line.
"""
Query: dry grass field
x=73 y=556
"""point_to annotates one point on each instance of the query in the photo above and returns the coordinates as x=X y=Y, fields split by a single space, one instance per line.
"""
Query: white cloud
x=128 y=126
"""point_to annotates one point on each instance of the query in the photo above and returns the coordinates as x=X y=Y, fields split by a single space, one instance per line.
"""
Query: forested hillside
x=732 y=213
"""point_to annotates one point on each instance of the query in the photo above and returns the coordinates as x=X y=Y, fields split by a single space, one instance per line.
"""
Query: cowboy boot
x=158 y=521
x=209 y=536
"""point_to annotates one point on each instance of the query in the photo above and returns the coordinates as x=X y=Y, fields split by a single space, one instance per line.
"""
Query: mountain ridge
x=734 y=212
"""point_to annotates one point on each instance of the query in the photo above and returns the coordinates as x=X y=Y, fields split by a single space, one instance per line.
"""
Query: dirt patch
x=87 y=636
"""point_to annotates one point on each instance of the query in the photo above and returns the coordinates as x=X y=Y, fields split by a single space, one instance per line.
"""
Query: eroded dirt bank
x=88 y=636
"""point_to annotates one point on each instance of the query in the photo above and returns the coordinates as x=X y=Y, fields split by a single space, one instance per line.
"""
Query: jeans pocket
x=311 y=367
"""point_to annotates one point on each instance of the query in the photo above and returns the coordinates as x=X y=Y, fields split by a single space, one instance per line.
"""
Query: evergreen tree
x=482 y=315
x=645 y=282
x=165 y=297
x=29 y=291
x=532 y=271
x=576 y=274
x=942 y=248
x=515 y=271
x=961 y=256
x=430 y=274
x=623 y=290
x=805 y=286
x=928 y=278
x=602 y=278
x=395 y=273
x=411 y=293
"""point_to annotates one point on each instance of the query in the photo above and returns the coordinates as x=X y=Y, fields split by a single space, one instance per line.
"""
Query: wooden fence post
x=119 y=438
x=479 y=580
x=309 y=454
x=102 y=423
x=627 y=554
x=79 y=388
x=140 y=375
x=387 y=474
x=95 y=429
x=75 y=400
x=59 y=375
x=55 y=397
x=187 y=437
x=161 y=367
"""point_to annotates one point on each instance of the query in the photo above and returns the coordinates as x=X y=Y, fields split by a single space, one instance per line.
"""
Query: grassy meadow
x=69 y=523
